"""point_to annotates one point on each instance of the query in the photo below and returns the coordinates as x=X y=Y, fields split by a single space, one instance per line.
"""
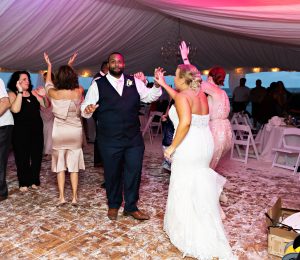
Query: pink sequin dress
x=219 y=108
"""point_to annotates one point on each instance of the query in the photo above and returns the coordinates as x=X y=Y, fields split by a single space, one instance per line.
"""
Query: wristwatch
x=20 y=92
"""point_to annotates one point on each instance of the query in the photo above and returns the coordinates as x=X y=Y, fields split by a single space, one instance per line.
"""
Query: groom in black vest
x=115 y=99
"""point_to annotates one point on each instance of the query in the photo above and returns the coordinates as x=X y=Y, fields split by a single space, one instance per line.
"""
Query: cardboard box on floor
x=278 y=237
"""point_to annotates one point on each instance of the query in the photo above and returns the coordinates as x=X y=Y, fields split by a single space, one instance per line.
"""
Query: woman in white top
x=6 y=126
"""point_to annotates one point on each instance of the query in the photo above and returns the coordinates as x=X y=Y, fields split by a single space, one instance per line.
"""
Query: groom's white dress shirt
x=147 y=95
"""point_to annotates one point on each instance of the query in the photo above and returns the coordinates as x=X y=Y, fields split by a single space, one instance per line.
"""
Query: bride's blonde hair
x=191 y=75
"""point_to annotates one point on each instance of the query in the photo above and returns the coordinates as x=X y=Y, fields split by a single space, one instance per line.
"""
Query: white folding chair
x=242 y=142
x=243 y=119
x=288 y=148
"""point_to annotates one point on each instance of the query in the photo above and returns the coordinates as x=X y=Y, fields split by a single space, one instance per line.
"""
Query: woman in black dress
x=27 y=138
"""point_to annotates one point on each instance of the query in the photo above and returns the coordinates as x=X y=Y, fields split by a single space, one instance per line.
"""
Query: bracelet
x=20 y=92
x=185 y=59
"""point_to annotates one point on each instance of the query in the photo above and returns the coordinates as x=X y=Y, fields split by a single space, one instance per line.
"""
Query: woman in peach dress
x=66 y=98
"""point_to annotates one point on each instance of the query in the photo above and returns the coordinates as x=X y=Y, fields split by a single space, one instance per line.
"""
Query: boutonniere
x=129 y=83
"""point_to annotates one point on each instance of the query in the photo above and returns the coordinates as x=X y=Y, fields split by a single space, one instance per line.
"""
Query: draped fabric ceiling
x=230 y=33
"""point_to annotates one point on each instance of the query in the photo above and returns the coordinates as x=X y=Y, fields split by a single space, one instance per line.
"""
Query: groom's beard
x=115 y=72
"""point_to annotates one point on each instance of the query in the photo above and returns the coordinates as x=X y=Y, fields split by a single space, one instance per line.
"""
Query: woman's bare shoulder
x=180 y=96
x=184 y=99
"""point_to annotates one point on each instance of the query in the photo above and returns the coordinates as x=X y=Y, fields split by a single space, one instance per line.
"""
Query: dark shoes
x=137 y=215
x=112 y=213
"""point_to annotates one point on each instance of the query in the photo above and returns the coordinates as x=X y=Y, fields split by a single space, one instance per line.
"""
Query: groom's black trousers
x=122 y=161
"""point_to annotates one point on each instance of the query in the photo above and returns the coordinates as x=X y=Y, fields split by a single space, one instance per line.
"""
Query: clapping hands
x=70 y=62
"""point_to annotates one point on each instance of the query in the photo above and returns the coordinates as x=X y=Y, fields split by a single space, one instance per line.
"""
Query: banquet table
x=269 y=138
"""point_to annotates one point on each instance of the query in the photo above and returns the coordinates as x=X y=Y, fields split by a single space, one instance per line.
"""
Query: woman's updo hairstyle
x=191 y=75
x=218 y=75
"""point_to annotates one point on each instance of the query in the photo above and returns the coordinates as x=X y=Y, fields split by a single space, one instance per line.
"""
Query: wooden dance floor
x=32 y=227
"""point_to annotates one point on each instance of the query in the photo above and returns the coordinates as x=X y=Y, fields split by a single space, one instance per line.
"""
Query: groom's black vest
x=118 y=115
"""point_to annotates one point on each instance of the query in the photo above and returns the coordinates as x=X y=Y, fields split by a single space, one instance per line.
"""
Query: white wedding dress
x=192 y=219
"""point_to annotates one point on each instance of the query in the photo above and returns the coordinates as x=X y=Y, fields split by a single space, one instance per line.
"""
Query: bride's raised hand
x=159 y=76
x=47 y=59
x=159 y=69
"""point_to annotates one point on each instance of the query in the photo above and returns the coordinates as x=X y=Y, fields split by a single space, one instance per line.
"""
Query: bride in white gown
x=192 y=218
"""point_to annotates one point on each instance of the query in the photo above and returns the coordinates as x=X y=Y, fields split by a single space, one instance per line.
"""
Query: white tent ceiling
x=232 y=33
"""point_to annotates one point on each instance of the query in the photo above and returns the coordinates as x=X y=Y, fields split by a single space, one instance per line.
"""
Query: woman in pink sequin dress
x=219 y=108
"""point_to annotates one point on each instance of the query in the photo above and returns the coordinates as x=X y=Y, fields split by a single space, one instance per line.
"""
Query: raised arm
x=160 y=80
x=209 y=88
x=141 y=76
x=185 y=116
x=51 y=91
x=72 y=59
x=184 y=50
x=147 y=95
x=49 y=69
